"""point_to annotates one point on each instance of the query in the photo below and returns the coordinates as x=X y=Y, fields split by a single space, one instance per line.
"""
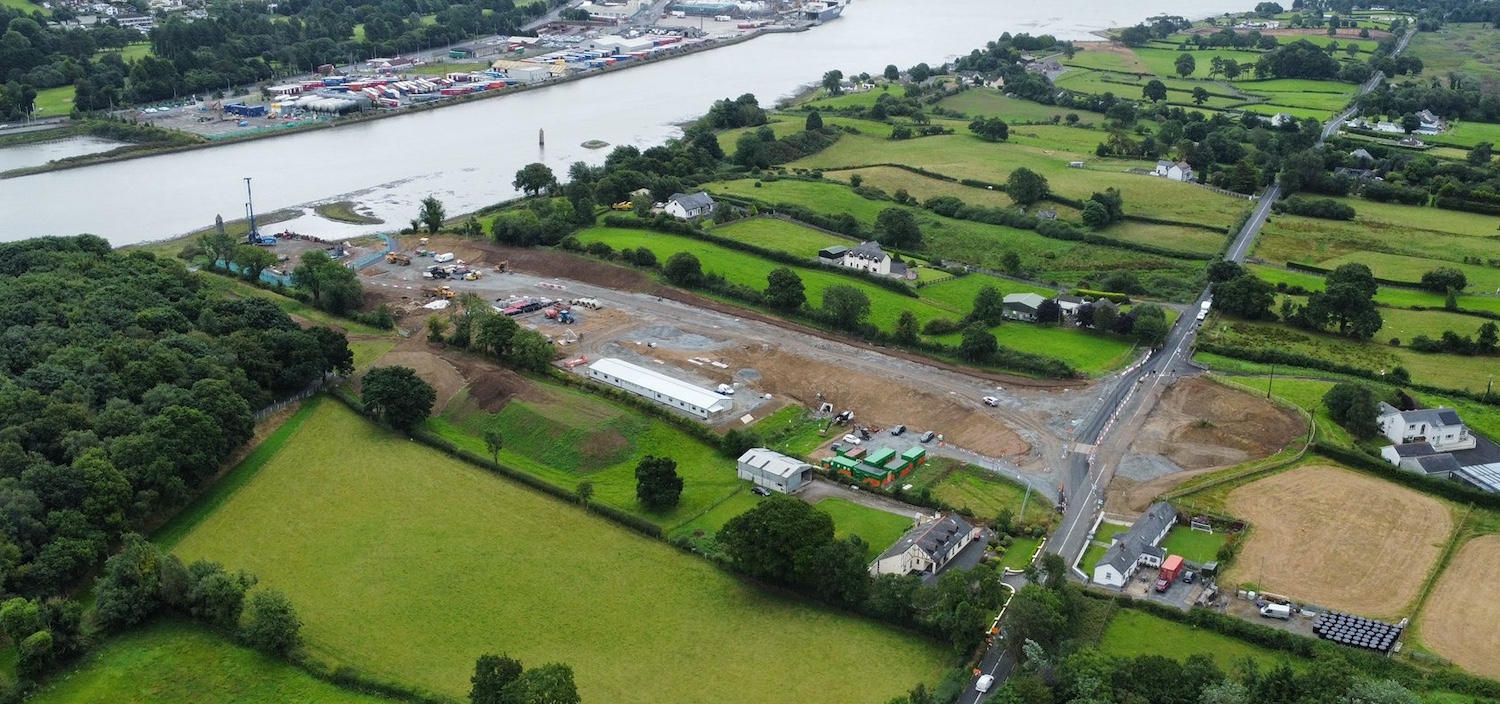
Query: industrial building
x=663 y=389
x=1141 y=545
x=927 y=548
x=774 y=470
x=878 y=468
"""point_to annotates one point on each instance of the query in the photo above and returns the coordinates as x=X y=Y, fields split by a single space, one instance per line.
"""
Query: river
x=26 y=155
x=467 y=155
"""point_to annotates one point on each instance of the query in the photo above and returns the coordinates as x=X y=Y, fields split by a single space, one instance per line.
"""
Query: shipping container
x=1171 y=568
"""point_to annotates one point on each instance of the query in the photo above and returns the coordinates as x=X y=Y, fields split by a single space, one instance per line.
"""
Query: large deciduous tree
x=784 y=290
x=897 y=227
x=683 y=269
x=845 y=305
x=492 y=674
x=1355 y=407
x=1025 y=186
x=657 y=485
x=989 y=306
x=534 y=179
x=397 y=396
x=433 y=214
x=272 y=625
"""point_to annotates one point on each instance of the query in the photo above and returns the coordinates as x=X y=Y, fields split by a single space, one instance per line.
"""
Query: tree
x=215 y=596
x=1481 y=154
x=1247 y=296
x=1443 y=279
x=252 y=260
x=766 y=541
x=784 y=290
x=1371 y=691
x=1035 y=614
x=1244 y=177
x=34 y=655
x=919 y=73
x=990 y=129
x=1222 y=270
x=492 y=673
x=1355 y=407
x=1186 y=64
x=683 y=269
x=1200 y=95
x=1048 y=312
x=833 y=82
x=657 y=485
x=897 y=227
x=1233 y=69
x=432 y=214
x=584 y=491
x=533 y=179
x=1489 y=336
x=1154 y=91
x=272 y=625
x=1025 y=186
x=892 y=73
x=1139 y=35
x=1106 y=313
x=333 y=286
x=989 y=307
x=494 y=442
x=814 y=122
x=1347 y=302
x=978 y=345
x=1410 y=122
x=129 y=591
x=907 y=327
x=845 y=305
x=1151 y=331
x=397 y=396
x=19 y=618
x=548 y=684
x=1095 y=215
x=1011 y=262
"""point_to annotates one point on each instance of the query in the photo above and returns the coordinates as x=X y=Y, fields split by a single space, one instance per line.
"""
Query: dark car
x=928 y=436
x=761 y=491
x=1189 y=576
x=1162 y=585
x=898 y=430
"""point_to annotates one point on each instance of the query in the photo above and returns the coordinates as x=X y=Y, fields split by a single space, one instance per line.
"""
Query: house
x=1022 y=306
x=663 y=389
x=1178 y=171
x=774 y=470
x=1362 y=155
x=1440 y=428
x=1135 y=547
x=1282 y=119
x=1068 y=304
x=867 y=256
x=1411 y=142
x=685 y=206
x=1430 y=122
x=927 y=548
x=1478 y=466
x=1047 y=214
x=1356 y=174
x=139 y=23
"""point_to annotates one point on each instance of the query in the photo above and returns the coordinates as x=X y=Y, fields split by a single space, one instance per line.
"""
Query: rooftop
x=772 y=462
x=1139 y=539
x=1438 y=464
x=1485 y=477
x=1485 y=452
x=935 y=538
x=692 y=201
x=661 y=383
x=1414 y=449
x=1030 y=300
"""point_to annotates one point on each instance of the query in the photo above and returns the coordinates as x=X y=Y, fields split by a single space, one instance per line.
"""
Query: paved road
x=1085 y=486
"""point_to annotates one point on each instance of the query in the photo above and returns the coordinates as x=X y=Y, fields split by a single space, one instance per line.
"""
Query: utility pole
x=1271 y=381
x=250 y=208
x=1489 y=387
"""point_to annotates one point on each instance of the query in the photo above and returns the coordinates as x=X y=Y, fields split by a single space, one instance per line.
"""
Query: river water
x=467 y=155
x=26 y=155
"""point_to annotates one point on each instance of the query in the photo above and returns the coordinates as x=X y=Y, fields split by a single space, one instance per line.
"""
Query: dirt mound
x=1462 y=619
x=1199 y=424
x=1339 y=539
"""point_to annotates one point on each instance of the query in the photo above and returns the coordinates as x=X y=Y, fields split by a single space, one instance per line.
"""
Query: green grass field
x=129 y=53
x=1384 y=296
x=566 y=436
x=979 y=490
x=51 y=102
x=822 y=100
x=1180 y=238
x=1468 y=134
x=1091 y=557
x=25 y=6
x=1134 y=633
x=780 y=235
x=792 y=431
x=1107 y=531
x=1163 y=62
x=173 y=661
x=714 y=518
x=1193 y=545
x=990 y=102
x=1019 y=554
x=891 y=179
x=878 y=529
x=1465 y=48
x=1107 y=60
x=1402 y=267
x=406 y=563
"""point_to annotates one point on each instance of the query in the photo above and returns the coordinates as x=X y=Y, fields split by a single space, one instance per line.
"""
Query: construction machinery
x=623 y=205
x=438 y=292
x=398 y=258
x=502 y=267
x=471 y=276
x=422 y=248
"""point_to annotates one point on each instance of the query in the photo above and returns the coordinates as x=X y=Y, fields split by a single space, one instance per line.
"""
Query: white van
x=984 y=683
x=1281 y=611
x=444 y=257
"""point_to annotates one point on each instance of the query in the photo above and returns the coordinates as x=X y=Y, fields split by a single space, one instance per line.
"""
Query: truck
x=1281 y=611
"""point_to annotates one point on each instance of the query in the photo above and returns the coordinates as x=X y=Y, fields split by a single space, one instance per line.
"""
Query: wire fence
x=311 y=389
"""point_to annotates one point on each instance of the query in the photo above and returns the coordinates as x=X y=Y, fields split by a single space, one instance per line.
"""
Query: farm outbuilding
x=774 y=470
x=663 y=389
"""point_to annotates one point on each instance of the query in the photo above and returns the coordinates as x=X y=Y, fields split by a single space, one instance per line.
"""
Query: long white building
x=663 y=389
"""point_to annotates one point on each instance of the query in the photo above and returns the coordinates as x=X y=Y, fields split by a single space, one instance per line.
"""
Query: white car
x=991 y=401
x=851 y=439
x=984 y=683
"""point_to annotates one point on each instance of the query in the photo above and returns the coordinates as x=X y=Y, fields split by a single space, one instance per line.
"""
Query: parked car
x=834 y=448
x=928 y=436
x=851 y=439
x=984 y=683
x=1189 y=576
x=991 y=401
x=898 y=430
x=1162 y=585
x=761 y=491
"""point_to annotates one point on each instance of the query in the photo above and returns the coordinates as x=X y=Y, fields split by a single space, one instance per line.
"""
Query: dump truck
x=398 y=258
x=440 y=291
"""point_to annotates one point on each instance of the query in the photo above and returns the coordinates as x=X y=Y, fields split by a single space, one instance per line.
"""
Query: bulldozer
x=398 y=258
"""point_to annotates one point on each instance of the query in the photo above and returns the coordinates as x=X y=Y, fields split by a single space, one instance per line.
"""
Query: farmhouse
x=1362 y=155
x=1179 y=171
x=663 y=389
x=927 y=548
x=774 y=470
x=1430 y=122
x=878 y=468
x=1068 y=305
x=1438 y=427
x=1135 y=547
x=690 y=206
x=1022 y=306
x=867 y=256
x=1282 y=119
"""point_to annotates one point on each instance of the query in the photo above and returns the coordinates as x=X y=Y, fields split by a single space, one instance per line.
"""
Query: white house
x=1177 y=171
x=1022 y=306
x=684 y=206
x=774 y=470
x=1438 y=427
x=1068 y=304
x=663 y=389
x=1282 y=119
x=1430 y=122
x=1421 y=458
x=867 y=256
x=927 y=548
x=1135 y=547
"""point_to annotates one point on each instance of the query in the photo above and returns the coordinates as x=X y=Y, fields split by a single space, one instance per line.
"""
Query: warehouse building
x=774 y=470
x=663 y=389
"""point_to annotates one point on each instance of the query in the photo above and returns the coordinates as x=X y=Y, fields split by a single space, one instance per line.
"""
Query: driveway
x=821 y=488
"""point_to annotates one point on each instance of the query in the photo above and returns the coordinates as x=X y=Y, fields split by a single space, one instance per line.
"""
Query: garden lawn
x=1018 y=555
x=1107 y=531
x=750 y=270
x=406 y=563
x=780 y=235
x=878 y=529
x=963 y=155
x=1086 y=350
x=172 y=661
x=1091 y=557
x=1134 y=633
x=567 y=436
x=985 y=493
x=1193 y=545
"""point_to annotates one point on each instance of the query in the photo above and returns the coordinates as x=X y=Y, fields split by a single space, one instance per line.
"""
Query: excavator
x=443 y=291
x=398 y=258
x=502 y=267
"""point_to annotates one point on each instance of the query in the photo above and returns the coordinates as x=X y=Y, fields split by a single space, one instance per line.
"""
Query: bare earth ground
x=1338 y=539
x=1461 y=621
x=1199 y=427
x=415 y=352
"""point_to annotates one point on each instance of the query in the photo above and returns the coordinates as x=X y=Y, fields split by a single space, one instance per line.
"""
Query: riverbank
x=141 y=153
